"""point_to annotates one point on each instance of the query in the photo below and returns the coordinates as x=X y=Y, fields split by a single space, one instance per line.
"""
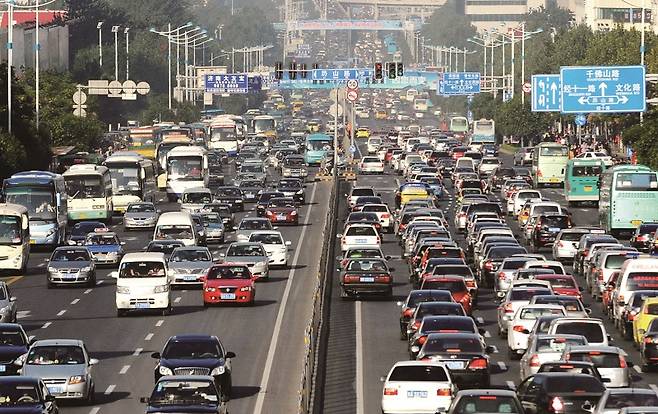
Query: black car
x=439 y=324
x=185 y=394
x=649 y=346
x=196 y=355
x=224 y=211
x=437 y=308
x=547 y=227
x=485 y=401
x=251 y=189
x=292 y=187
x=559 y=392
x=13 y=343
x=26 y=395
x=215 y=169
x=464 y=354
x=264 y=201
x=498 y=177
x=164 y=246
x=643 y=237
x=200 y=229
x=413 y=299
x=79 y=231
x=232 y=196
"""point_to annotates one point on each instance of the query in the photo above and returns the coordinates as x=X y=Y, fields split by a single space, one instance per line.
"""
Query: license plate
x=588 y=188
x=281 y=217
x=142 y=305
x=554 y=180
x=190 y=278
x=361 y=241
x=68 y=276
x=227 y=296
x=416 y=394
x=636 y=222
x=3 y=368
x=554 y=229
x=367 y=279
x=54 y=390
x=32 y=241
x=454 y=364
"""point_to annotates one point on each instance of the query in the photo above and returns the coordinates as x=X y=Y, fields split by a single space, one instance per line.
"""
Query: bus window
x=586 y=171
x=637 y=182
x=558 y=151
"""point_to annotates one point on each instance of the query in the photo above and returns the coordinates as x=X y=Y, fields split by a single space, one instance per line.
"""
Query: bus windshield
x=40 y=202
x=459 y=123
x=553 y=151
x=85 y=186
x=10 y=230
x=184 y=168
x=637 y=182
x=125 y=179
x=318 y=145
x=262 y=125
x=587 y=171
x=223 y=134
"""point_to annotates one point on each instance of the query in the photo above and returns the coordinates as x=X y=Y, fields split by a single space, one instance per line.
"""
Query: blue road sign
x=546 y=95
x=581 y=119
x=335 y=74
x=460 y=83
x=227 y=83
x=255 y=83
x=603 y=89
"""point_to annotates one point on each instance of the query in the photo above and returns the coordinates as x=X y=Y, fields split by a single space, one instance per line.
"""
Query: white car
x=417 y=387
x=598 y=155
x=275 y=246
x=553 y=265
x=546 y=348
x=359 y=235
x=371 y=165
x=516 y=202
x=522 y=323
x=384 y=214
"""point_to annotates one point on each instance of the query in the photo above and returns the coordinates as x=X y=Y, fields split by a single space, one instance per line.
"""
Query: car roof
x=597 y=348
x=144 y=256
x=55 y=342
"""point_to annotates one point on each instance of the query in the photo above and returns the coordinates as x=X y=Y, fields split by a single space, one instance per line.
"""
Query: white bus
x=187 y=167
x=14 y=237
x=89 y=190
x=133 y=179
x=224 y=135
x=264 y=124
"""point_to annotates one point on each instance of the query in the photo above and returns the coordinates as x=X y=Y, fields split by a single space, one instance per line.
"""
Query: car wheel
x=91 y=396
x=120 y=313
x=50 y=285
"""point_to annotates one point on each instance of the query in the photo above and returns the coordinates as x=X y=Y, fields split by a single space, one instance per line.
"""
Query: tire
x=166 y=311
x=92 y=395
x=205 y=304
x=121 y=313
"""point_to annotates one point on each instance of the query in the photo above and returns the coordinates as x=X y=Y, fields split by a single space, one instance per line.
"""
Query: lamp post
x=168 y=34
x=125 y=31
x=115 y=30
x=100 y=45
x=10 y=58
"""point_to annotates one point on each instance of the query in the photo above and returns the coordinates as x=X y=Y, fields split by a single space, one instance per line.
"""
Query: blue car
x=185 y=394
x=435 y=185
x=105 y=246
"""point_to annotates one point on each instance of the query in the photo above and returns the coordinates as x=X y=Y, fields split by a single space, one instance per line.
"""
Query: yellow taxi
x=524 y=215
x=381 y=115
x=313 y=126
x=411 y=191
x=648 y=312
x=363 y=132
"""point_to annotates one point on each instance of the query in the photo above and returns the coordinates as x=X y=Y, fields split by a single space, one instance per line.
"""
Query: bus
x=581 y=180
x=549 y=161
x=410 y=95
x=420 y=105
x=89 y=190
x=224 y=135
x=187 y=167
x=167 y=144
x=264 y=124
x=14 y=237
x=142 y=140
x=484 y=132
x=43 y=194
x=317 y=145
x=458 y=125
x=133 y=179
x=628 y=197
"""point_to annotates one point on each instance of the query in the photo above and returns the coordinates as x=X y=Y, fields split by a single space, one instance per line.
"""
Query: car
x=292 y=187
x=383 y=213
x=250 y=224
x=253 y=255
x=142 y=215
x=614 y=400
x=491 y=401
x=164 y=246
x=357 y=192
x=578 y=367
x=188 y=264
x=366 y=276
x=571 y=304
x=282 y=210
x=516 y=297
x=523 y=156
x=643 y=237
x=79 y=231
x=359 y=235
x=14 y=343
x=546 y=228
x=591 y=328
x=104 y=246
x=435 y=308
x=71 y=265
x=464 y=354
x=64 y=365
x=439 y=324
x=194 y=354
x=264 y=200
x=417 y=387
x=544 y=348
x=414 y=298
x=563 y=284
x=224 y=211
x=553 y=392
x=250 y=189
x=649 y=346
x=232 y=196
x=213 y=226
x=189 y=393
x=294 y=166
x=276 y=248
x=229 y=283
x=371 y=165
x=647 y=313
x=26 y=395
x=609 y=360
x=455 y=284
x=522 y=322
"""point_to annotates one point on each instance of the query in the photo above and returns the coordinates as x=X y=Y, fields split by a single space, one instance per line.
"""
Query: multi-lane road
x=268 y=338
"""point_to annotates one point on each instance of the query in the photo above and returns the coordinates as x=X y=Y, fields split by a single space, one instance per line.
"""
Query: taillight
x=383 y=278
x=342 y=240
x=408 y=312
x=479 y=363
x=501 y=276
x=488 y=265
x=556 y=404
x=416 y=324
x=443 y=392
x=534 y=361
x=422 y=340
x=519 y=328
x=508 y=308
x=390 y=391
x=622 y=362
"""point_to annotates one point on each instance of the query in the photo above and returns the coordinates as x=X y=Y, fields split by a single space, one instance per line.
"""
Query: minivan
x=143 y=283
x=176 y=225
x=591 y=328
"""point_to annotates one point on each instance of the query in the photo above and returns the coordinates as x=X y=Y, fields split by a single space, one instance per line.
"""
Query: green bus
x=581 y=180
x=628 y=198
x=549 y=161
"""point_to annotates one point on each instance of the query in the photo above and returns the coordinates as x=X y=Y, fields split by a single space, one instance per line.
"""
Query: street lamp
x=115 y=30
x=125 y=31
x=100 y=45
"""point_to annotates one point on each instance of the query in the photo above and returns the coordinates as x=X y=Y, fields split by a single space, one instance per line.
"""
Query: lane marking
x=480 y=320
x=11 y=279
x=41 y=265
x=62 y=312
x=23 y=314
x=510 y=385
x=94 y=410
x=653 y=387
x=177 y=299
x=138 y=351
x=109 y=389
x=148 y=337
x=45 y=325
x=360 y=404
x=100 y=282
x=124 y=369
x=502 y=366
x=637 y=369
x=159 y=323
x=86 y=292
x=258 y=409
x=75 y=301
x=487 y=334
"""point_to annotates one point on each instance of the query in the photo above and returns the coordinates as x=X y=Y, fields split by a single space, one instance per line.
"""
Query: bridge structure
x=403 y=9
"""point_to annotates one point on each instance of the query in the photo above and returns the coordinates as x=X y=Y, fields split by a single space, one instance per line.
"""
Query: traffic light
x=400 y=69
x=278 y=70
x=292 y=73
x=304 y=71
x=379 y=71
x=390 y=68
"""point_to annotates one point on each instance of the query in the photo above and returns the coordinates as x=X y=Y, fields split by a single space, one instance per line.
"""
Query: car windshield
x=245 y=250
x=140 y=208
x=592 y=331
x=558 y=344
x=619 y=400
x=289 y=184
x=192 y=350
x=70 y=255
x=488 y=404
x=185 y=255
x=255 y=225
x=417 y=373
x=451 y=344
x=184 y=392
x=55 y=355
x=173 y=232
x=282 y=202
x=367 y=266
x=142 y=269
x=229 y=272
x=18 y=394
x=11 y=338
x=102 y=240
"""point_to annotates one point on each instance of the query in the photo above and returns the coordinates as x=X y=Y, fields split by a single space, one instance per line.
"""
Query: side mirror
x=604 y=380
x=122 y=243
x=415 y=348
x=13 y=299
x=526 y=331
x=339 y=235
x=156 y=355
x=230 y=354
x=382 y=379
x=180 y=201
x=587 y=407
x=588 y=311
x=288 y=243
x=235 y=227
x=399 y=303
x=387 y=257
x=158 y=211
x=47 y=260
x=93 y=361
x=580 y=288
x=490 y=349
x=144 y=400
x=114 y=274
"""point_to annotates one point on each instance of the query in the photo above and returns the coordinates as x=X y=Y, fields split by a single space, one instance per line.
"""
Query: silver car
x=140 y=216
x=188 y=264
x=250 y=224
x=251 y=254
x=546 y=348
x=615 y=401
x=71 y=265
x=8 y=309
x=609 y=360
x=65 y=367
x=214 y=227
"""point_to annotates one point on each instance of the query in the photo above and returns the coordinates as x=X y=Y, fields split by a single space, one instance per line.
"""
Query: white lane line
x=86 y=292
x=75 y=301
x=637 y=369
x=510 y=385
x=487 y=334
x=502 y=366
x=94 y=410
x=41 y=265
x=45 y=325
x=653 y=387
x=62 y=312
x=480 y=320
x=258 y=409
x=23 y=314
x=159 y=323
x=109 y=389
x=148 y=337
x=138 y=351
x=124 y=369
x=177 y=299
x=360 y=406
x=100 y=282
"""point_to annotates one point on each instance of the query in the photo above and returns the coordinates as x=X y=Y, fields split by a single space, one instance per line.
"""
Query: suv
x=547 y=227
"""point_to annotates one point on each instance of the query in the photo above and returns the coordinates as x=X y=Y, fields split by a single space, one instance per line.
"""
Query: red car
x=229 y=283
x=563 y=284
x=456 y=285
x=282 y=210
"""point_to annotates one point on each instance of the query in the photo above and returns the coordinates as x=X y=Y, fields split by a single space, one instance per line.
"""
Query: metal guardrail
x=312 y=375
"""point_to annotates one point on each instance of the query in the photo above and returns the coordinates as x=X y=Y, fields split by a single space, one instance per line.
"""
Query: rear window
x=361 y=231
x=545 y=209
x=451 y=325
x=558 y=344
x=375 y=208
x=619 y=401
x=534 y=313
x=569 y=384
x=450 y=285
x=599 y=359
x=527 y=294
x=418 y=373
x=570 y=304
x=502 y=252
x=357 y=192
x=643 y=280
x=554 y=268
x=453 y=270
x=513 y=264
x=556 y=221
x=435 y=297
x=571 y=236
x=450 y=344
x=562 y=282
x=614 y=261
x=486 y=404
x=592 y=331
x=587 y=171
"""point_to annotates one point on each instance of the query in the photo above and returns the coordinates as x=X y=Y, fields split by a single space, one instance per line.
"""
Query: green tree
x=448 y=26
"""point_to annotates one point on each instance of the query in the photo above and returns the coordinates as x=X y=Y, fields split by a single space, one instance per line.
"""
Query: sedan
x=185 y=394
x=485 y=401
x=417 y=387
x=613 y=401
x=544 y=348
x=366 y=276
x=14 y=342
x=557 y=392
x=371 y=165
x=188 y=264
x=439 y=324
x=140 y=216
x=249 y=225
x=264 y=200
x=359 y=235
x=275 y=246
x=71 y=265
x=523 y=321
x=251 y=254
x=416 y=297
x=229 y=283
x=26 y=395
x=609 y=360
x=282 y=210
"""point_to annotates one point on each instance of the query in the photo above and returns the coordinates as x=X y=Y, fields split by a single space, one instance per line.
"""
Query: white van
x=373 y=144
x=143 y=283
x=638 y=274
x=14 y=237
x=193 y=199
x=591 y=328
x=176 y=225
x=465 y=162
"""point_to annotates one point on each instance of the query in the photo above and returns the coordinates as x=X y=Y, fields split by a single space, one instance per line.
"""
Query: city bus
x=581 y=180
x=89 y=190
x=14 y=237
x=264 y=124
x=420 y=105
x=628 y=197
x=43 y=194
x=458 y=125
x=133 y=179
x=317 y=145
x=484 y=132
x=142 y=140
x=167 y=144
x=187 y=167
x=224 y=135
x=549 y=161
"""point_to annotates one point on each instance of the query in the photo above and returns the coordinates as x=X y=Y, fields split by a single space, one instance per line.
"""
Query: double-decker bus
x=89 y=190
x=133 y=179
x=43 y=194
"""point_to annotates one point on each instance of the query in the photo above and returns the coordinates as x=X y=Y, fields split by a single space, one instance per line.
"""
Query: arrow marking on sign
x=553 y=91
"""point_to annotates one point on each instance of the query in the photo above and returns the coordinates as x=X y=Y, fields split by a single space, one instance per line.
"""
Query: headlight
x=51 y=232
x=86 y=269
x=294 y=213
x=112 y=254
x=261 y=263
x=52 y=269
x=211 y=289
x=165 y=371
x=245 y=289
x=77 y=379
x=124 y=290
x=161 y=289
x=300 y=192
x=4 y=310
x=218 y=371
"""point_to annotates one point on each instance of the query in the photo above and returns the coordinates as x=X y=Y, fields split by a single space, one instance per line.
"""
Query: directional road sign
x=460 y=83
x=227 y=83
x=335 y=74
x=603 y=89
x=581 y=119
x=546 y=93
